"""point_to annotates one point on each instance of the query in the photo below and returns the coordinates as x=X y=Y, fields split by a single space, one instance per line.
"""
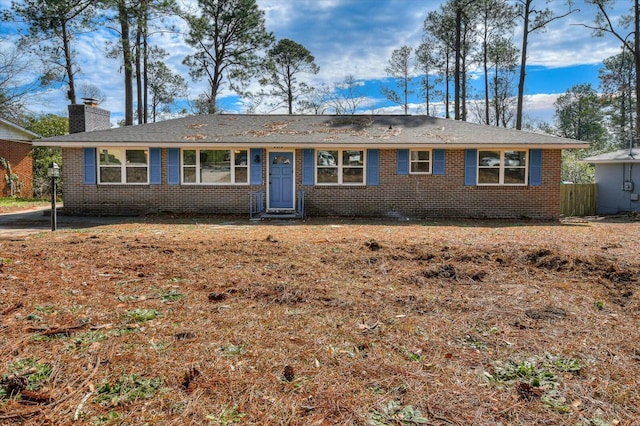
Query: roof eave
x=26 y=142
x=299 y=145
x=612 y=161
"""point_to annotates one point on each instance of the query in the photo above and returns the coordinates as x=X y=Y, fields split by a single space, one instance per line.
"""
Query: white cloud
x=347 y=37
x=540 y=107
x=541 y=101
x=567 y=41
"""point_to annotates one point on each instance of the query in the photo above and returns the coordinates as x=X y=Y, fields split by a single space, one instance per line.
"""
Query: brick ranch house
x=15 y=148
x=318 y=165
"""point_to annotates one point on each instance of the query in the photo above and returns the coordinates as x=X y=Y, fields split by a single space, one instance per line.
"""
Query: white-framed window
x=420 y=161
x=502 y=167
x=121 y=165
x=340 y=167
x=215 y=166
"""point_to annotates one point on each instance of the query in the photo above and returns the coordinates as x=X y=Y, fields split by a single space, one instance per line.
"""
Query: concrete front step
x=277 y=215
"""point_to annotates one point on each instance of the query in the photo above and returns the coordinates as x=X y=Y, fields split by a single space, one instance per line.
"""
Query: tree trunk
x=406 y=95
x=427 y=92
x=463 y=80
x=145 y=62
x=289 y=90
x=446 y=86
x=145 y=78
x=495 y=97
x=215 y=81
x=71 y=93
x=211 y=102
x=139 y=75
x=523 y=65
x=456 y=81
x=123 y=16
x=636 y=57
x=485 y=59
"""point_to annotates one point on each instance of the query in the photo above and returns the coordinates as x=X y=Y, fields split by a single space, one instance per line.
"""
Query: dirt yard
x=322 y=323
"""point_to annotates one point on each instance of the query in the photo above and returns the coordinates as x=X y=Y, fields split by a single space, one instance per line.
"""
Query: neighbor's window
x=124 y=165
x=420 y=162
x=214 y=166
x=500 y=167
x=340 y=167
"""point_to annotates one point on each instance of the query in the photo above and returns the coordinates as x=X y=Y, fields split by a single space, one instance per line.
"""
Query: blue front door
x=280 y=180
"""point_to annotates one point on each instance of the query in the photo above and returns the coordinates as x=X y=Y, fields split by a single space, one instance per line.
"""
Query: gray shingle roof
x=620 y=156
x=313 y=130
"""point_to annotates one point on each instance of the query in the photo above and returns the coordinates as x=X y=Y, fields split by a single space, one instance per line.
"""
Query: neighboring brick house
x=15 y=148
x=361 y=165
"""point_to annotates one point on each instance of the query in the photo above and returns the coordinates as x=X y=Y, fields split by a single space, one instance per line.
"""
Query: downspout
x=630 y=192
x=630 y=168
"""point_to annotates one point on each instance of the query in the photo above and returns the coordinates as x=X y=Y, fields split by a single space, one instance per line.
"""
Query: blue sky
x=357 y=37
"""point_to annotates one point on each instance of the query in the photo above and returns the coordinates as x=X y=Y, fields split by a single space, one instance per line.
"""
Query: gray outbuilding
x=618 y=180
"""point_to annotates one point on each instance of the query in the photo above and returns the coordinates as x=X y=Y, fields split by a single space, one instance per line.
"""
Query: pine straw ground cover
x=322 y=323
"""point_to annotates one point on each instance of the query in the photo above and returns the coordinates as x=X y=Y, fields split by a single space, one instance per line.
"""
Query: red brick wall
x=414 y=196
x=439 y=195
x=138 y=199
x=17 y=154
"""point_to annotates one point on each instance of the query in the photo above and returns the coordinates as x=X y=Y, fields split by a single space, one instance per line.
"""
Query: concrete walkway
x=18 y=225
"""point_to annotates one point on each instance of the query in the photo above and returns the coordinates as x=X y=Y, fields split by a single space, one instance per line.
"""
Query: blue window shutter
x=89 y=166
x=373 y=167
x=155 y=166
x=173 y=166
x=308 y=163
x=535 y=167
x=256 y=166
x=438 y=161
x=470 y=167
x=403 y=162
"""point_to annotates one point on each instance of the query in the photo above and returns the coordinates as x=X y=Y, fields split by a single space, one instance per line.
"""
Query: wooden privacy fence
x=578 y=199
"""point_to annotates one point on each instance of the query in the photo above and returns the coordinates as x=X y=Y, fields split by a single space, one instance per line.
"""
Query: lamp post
x=53 y=172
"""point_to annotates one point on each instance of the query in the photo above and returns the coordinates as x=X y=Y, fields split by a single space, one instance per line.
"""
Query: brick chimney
x=88 y=117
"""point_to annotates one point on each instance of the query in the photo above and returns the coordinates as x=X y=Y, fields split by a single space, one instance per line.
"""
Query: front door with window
x=281 y=181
